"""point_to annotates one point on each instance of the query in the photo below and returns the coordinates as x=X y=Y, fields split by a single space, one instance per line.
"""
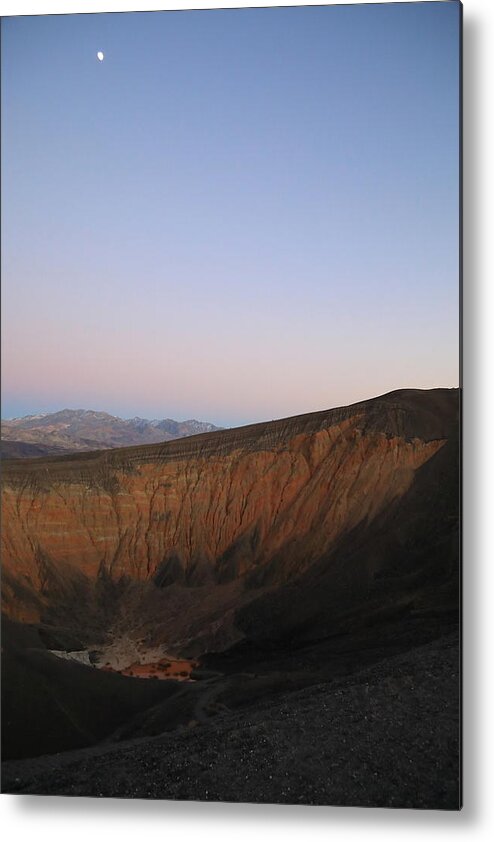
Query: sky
x=238 y=215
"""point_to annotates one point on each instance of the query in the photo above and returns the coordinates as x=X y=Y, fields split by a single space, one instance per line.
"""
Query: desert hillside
x=199 y=529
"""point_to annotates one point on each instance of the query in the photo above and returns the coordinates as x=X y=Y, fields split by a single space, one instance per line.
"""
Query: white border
x=28 y=7
x=53 y=819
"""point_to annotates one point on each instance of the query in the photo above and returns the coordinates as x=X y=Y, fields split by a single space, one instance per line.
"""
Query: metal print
x=248 y=218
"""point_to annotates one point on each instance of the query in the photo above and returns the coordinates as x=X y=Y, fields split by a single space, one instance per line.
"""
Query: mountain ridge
x=83 y=430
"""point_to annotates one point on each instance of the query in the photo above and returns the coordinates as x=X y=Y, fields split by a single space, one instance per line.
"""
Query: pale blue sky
x=238 y=215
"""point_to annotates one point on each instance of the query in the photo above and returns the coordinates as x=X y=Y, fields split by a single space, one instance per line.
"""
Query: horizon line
x=234 y=426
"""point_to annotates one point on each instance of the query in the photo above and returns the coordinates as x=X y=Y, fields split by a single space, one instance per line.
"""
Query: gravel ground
x=387 y=736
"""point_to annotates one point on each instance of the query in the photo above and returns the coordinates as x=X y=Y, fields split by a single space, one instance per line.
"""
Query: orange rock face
x=164 y=670
x=210 y=508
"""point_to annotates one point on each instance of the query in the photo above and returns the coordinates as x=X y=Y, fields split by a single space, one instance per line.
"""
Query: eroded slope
x=189 y=533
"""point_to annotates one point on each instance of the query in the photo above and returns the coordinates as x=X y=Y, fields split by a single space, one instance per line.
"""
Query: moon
x=100 y=55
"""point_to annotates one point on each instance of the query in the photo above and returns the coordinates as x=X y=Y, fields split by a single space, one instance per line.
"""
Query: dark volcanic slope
x=384 y=737
x=12 y=449
x=50 y=704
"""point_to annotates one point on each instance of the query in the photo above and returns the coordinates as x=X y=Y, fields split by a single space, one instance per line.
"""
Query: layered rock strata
x=261 y=505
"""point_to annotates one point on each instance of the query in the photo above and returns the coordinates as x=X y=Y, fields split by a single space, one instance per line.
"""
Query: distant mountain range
x=77 y=430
